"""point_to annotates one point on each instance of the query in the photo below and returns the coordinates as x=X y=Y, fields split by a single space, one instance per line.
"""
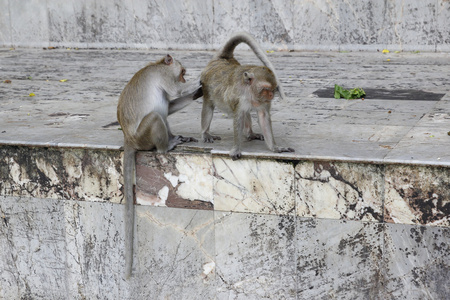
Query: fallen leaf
x=355 y=93
x=7 y=81
x=386 y=146
x=32 y=94
x=63 y=80
x=385 y=51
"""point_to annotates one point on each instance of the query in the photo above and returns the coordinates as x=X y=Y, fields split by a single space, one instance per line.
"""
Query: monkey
x=142 y=113
x=237 y=89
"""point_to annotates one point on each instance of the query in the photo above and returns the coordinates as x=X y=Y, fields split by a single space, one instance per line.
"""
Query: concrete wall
x=196 y=24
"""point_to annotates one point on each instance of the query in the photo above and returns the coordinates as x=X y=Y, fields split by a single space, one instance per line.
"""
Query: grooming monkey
x=237 y=89
x=142 y=113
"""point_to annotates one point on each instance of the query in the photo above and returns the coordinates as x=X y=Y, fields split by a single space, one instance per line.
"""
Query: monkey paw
x=255 y=136
x=283 y=149
x=187 y=139
x=235 y=154
x=207 y=138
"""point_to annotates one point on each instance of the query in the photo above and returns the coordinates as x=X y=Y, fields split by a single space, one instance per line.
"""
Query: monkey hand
x=283 y=149
x=198 y=93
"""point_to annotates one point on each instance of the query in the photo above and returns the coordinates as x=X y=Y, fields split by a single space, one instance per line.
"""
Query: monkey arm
x=181 y=102
x=266 y=126
x=238 y=126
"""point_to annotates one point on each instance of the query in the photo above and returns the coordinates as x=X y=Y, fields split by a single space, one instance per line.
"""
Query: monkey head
x=262 y=84
x=176 y=68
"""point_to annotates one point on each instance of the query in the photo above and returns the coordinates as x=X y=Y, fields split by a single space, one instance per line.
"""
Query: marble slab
x=64 y=248
x=32 y=249
x=255 y=256
x=408 y=20
x=95 y=262
x=443 y=36
x=338 y=259
x=417 y=195
x=176 y=253
x=175 y=180
x=321 y=30
x=416 y=262
x=279 y=25
x=59 y=173
x=253 y=185
x=35 y=31
x=5 y=31
x=339 y=191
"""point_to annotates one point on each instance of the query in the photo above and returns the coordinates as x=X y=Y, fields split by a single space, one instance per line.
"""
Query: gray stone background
x=408 y=25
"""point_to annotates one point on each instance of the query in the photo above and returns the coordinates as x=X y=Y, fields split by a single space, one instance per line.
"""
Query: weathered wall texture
x=247 y=229
x=197 y=24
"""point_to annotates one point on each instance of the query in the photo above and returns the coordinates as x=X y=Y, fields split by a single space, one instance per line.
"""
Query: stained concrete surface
x=76 y=93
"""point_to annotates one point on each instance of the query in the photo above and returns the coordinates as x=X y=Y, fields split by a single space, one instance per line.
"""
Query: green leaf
x=355 y=93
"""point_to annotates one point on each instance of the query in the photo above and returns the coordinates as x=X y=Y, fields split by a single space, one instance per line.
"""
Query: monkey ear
x=248 y=77
x=168 y=59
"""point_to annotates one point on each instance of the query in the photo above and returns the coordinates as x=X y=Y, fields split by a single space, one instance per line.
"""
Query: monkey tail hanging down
x=142 y=113
x=237 y=89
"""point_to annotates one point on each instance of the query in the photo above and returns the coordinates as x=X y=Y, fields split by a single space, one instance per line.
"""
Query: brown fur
x=237 y=89
x=142 y=113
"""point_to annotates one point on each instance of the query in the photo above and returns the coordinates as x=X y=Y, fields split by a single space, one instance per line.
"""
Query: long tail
x=244 y=37
x=129 y=173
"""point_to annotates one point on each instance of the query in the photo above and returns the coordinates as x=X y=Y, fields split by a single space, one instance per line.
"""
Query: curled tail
x=244 y=37
x=128 y=174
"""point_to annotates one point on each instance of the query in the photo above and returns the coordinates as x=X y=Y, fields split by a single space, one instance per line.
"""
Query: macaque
x=237 y=89
x=142 y=113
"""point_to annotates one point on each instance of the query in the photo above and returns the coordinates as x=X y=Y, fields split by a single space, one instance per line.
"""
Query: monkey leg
x=153 y=133
x=238 y=129
x=178 y=138
x=266 y=125
x=248 y=131
x=207 y=115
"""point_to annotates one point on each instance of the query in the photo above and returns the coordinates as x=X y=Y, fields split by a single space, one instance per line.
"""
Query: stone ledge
x=359 y=191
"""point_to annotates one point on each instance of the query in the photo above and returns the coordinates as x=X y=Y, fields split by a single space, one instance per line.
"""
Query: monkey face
x=266 y=93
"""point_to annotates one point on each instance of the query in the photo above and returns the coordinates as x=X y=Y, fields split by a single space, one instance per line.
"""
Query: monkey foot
x=283 y=149
x=207 y=138
x=186 y=139
x=255 y=136
x=235 y=154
